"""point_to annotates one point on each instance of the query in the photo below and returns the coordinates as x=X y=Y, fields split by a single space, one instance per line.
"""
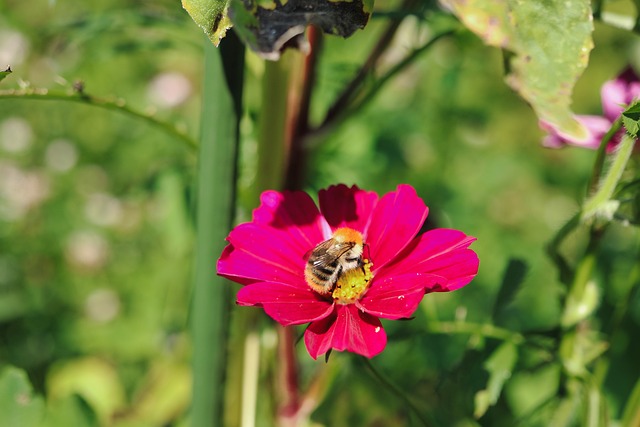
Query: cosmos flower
x=616 y=95
x=399 y=266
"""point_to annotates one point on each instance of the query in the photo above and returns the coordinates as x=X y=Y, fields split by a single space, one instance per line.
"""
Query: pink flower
x=270 y=254
x=616 y=95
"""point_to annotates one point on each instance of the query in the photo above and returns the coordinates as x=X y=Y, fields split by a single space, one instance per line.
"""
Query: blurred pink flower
x=269 y=255
x=616 y=95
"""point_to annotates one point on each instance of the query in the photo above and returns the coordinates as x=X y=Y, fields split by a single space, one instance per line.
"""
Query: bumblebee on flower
x=343 y=266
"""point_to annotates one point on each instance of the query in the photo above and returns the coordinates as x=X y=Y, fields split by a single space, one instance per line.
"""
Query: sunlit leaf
x=164 y=393
x=500 y=366
x=5 y=73
x=267 y=26
x=19 y=407
x=549 y=41
x=92 y=378
x=211 y=16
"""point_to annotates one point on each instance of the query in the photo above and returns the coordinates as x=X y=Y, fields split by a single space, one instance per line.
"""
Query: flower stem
x=216 y=177
x=486 y=330
x=599 y=202
x=396 y=390
x=81 y=97
x=272 y=124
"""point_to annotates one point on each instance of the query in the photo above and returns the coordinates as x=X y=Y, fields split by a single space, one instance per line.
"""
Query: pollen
x=353 y=284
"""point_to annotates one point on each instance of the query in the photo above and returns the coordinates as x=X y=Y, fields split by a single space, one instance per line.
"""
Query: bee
x=329 y=260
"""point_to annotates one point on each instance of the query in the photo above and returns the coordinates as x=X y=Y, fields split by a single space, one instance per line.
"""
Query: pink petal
x=395 y=220
x=596 y=127
x=258 y=253
x=617 y=94
x=293 y=212
x=286 y=304
x=397 y=297
x=347 y=328
x=441 y=252
x=344 y=206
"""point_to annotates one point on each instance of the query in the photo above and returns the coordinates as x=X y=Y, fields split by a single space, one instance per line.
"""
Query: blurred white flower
x=14 y=48
x=87 y=249
x=103 y=209
x=102 y=305
x=169 y=89
x=20 y=191
x=61 y=155
x=16 y=134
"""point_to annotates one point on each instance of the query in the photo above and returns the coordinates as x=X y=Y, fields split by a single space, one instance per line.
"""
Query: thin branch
x=81 y=97
x=348 y=110
x=355 y=85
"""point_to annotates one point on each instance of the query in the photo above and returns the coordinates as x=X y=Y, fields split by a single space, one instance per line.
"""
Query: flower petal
x=344 y=206
x=258 y=253
x=347 y=328
x=295 y=213
x=618 y=93
x=286 y=304
x=396 y=219
x=441 y=252
x=398 y=297
x=596 y=126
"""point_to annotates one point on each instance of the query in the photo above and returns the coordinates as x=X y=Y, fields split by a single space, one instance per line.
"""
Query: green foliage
x=631 y=119
x=5 y=73
x=19 y=406
x=211 y=16
x=98 y=222
x=548 y=44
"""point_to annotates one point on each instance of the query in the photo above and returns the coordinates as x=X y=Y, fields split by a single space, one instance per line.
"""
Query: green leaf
x=5 y=73
x=631 y=119
x=19 y=407
x=70 y=411
x=266 y=26
x=550 y=43
x=211 y=16
x=500 y=367
x=512 y=282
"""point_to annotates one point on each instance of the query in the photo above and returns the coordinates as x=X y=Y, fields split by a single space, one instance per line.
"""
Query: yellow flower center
x=353 y=284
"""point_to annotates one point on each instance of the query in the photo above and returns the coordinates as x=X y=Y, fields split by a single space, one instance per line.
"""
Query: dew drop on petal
x=377 y=329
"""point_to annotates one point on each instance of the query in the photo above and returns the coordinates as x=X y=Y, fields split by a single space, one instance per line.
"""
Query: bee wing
x=327 y=252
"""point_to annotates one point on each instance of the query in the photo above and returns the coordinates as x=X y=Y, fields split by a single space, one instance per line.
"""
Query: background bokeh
x=96 y=224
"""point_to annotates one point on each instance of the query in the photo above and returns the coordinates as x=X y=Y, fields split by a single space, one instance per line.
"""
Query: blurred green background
x=96 y=225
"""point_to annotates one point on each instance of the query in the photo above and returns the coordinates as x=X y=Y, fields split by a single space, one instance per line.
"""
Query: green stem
x=272 y=125
x=602 y=155
x=81 y=97
x=395 y=390
x=599 y=202
x=222 y=96
x=486 y=330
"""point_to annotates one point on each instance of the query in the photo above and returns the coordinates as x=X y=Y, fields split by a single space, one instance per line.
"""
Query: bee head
x=348 y=235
